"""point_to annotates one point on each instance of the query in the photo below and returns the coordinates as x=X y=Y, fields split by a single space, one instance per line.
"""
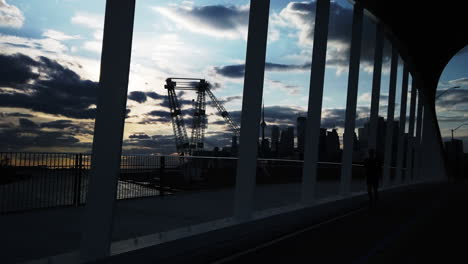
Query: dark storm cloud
x=139 y=136
x=72 y=128
x=238 y=70
x=62 y=92
x=335 y=117
x=27 y=124
x=154 y=95
x=220 y=17
x=159 y=113
x=156 y=144
x=58 y=124
x=137 y=96
x=14 y=138
x=453 y=98
x=16 y=70
x=15 y=115
x=231 y=98
x=218 y=20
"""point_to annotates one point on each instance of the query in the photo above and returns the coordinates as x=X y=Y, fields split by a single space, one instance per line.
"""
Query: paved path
x=421 y=225
x=42 y=233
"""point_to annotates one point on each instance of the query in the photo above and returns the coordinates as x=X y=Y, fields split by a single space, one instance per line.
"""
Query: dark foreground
x=422 y=224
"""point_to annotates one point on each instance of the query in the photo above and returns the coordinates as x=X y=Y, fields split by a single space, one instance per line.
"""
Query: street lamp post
x=457 y=128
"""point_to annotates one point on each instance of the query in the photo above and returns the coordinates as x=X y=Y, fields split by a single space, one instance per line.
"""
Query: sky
x=50 y=58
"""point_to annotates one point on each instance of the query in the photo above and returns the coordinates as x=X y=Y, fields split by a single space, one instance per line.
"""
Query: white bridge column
x=417 y=143
x=376 y=80
x=251 y=109
x=410 y=147
x=108 y=130
x=319 y=52
x=401 y=132
x=351 y=101
x=390 y=114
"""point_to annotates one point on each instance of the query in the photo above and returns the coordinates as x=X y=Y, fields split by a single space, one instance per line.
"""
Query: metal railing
x=45 y=180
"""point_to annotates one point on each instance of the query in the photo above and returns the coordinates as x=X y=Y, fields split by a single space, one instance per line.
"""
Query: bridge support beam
x=319 y=52
x=401 y=132
x=351 y=101
x=390 y=115
x=410 y=147
x=376 y=80
x=417 y=144
x=108 y=130
x=251 y=109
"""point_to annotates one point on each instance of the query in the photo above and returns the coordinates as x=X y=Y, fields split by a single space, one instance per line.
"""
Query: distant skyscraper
x=275 y=134
x=333 y=145
x=286 y=147
x=301 y=126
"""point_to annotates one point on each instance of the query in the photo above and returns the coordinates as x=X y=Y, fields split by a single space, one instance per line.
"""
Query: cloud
x=156 y=144
x=238 y=70
x=214 y=20
x=18 y=71
x=94 y=22
x=300 y=16
x=89 y=20
x=137 y=96
x=453 y=98
x=57 y=35
x=51 y=46
x=154 y=95
x=10 y=15
x=454 y=118
x=58 y=124
x=460 y=81
x=15 y=138
x=15 y=115
x=46 y=86
x=335 y=117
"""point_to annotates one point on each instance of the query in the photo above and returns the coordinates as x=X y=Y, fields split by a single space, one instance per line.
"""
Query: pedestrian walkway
x=42 y=233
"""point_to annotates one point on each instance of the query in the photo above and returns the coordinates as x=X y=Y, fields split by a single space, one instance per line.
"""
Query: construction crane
x=184 y=144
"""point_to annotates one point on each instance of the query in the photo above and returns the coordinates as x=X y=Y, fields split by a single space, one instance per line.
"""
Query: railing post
x=75 y=182
x=162 y=166
x=80 y=176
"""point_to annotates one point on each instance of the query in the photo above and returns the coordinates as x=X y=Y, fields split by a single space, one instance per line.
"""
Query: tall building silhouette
x=333 y=145
x=286 y=147
x=275 y=135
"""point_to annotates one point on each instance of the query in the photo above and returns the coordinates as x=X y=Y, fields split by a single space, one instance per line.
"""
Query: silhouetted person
x=373 y=169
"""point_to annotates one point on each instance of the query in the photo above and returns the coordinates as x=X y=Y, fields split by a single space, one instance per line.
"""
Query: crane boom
x=199 y=121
